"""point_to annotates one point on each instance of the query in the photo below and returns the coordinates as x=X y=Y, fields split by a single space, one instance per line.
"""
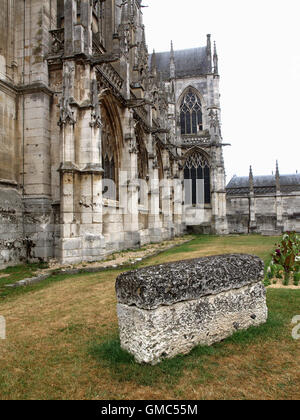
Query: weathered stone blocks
x=12 y=249
x=168 y=309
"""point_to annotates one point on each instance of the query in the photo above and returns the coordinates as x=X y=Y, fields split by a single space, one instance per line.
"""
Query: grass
x=123 y=368
x=62 y=342
x=13 y=274
x=204 y=245
x=19 y=272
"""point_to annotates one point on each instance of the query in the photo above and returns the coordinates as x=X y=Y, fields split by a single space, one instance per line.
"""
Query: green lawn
x=62 y=342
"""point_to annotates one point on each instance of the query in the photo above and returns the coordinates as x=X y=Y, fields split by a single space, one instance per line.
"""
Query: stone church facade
x=102 y=147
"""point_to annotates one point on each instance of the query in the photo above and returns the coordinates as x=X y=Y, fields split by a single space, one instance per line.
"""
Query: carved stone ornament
x=66 y=113
x=96 y=113
x=133 y=146
x=214 y=122
x=155 y=163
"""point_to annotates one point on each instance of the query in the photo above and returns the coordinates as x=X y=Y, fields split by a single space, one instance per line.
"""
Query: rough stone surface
x=166 y=284
x=12 y=249
x=168 y=331
x=167 y=310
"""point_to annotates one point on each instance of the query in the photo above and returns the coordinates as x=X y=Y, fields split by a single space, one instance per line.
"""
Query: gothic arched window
x=191 y=114
x=109 y=158
x=197 y=180
x=109 y=168
x=142 y=162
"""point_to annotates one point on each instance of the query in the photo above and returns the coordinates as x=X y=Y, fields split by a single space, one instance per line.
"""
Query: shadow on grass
x=205 y=359
x=123 y=367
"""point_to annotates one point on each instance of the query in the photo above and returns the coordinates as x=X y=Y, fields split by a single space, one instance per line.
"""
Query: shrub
x=296 y=278
x=286 y=258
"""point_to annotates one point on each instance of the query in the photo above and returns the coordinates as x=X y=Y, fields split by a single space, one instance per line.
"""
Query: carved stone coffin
x=169 y=309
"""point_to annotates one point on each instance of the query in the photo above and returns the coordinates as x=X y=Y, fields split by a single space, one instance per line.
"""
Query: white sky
x=258 y=43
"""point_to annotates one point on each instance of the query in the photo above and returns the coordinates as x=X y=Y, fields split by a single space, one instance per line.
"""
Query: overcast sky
x=258 y=43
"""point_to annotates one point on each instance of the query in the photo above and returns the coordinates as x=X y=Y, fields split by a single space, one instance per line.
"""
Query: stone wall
x=9 y=151
x=291 y=212
x=266 y=213
x=12 y=240
x=12 y=246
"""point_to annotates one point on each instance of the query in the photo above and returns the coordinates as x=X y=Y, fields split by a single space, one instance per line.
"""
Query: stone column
x=279 y=218
x=89 y=160
x=91 y=226
x=33 y=22
x=178 y=200
x=86 y=21
x=80 y=120
x=70 y=20
x=218 y=193
x=252 y=204
x=155 y=225
x=278 y=200
x=129 y=184
x=168 y=225
x=70 y=241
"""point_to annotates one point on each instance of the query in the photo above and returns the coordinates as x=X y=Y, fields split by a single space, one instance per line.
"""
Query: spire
x=153 y=64
x=216 y=69
x=251 y=180
x=131 y=10
x=172 y=62
x=208 y=54
x=125 y=14
x=277 y=168
x=277 y=177
x=143 y=35
x=172 y=51
x=161 y=83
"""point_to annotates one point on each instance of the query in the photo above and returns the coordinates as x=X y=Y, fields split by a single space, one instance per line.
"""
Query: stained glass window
x=197 y=180
x=191 y=114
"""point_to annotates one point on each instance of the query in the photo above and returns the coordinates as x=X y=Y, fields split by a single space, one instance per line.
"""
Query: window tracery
x=109 y=158
x=191 y=120
x=197 y=169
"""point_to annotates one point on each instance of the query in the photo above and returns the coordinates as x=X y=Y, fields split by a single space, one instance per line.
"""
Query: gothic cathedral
x=103 y=147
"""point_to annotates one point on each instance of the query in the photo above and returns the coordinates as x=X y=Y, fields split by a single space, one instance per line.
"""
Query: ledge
x=8 y=182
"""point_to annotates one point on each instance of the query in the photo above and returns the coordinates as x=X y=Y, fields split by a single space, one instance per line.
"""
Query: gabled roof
x=263 y=184
x=190 y=62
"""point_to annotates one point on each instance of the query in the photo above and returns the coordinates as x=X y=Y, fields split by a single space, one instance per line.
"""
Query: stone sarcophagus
x=168 y=309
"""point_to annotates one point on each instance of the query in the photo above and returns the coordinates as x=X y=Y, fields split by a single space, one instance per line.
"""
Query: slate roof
x=190 y=62
x=264 y=184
